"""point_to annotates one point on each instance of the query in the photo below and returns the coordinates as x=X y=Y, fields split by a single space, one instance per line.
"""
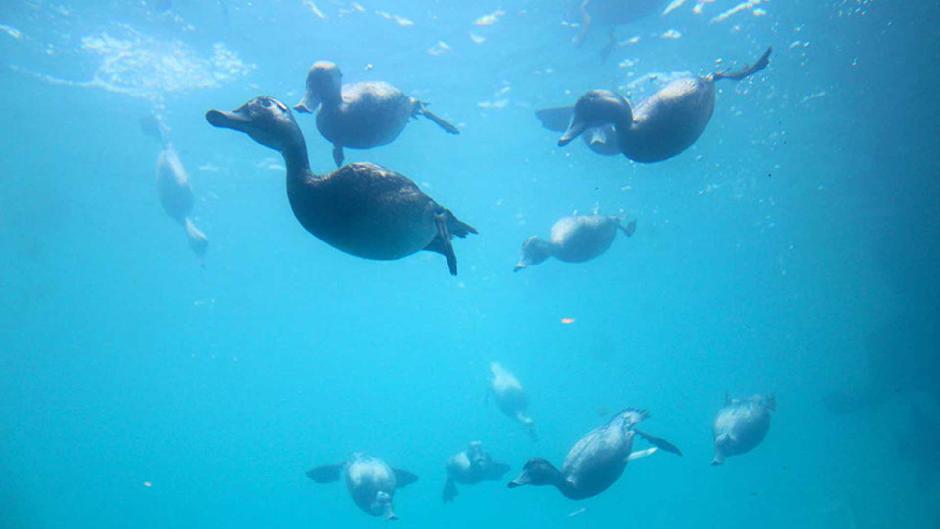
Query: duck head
x=537 y=471
x=722 y=445
x=534 y=251
x=596 y=109
x=267 y=120
x=324 y=84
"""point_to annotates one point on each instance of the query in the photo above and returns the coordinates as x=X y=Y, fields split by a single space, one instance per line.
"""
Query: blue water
x=793 y=250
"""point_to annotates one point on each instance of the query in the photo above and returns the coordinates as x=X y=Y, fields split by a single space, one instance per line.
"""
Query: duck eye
x=266 y=103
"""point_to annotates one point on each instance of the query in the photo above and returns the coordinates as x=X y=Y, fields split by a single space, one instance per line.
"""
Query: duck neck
x=296 y=161
x=565 y=487
x=623 y=121
x=333 y=97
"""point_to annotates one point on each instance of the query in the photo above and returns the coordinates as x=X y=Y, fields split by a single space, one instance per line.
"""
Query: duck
x=176 y=197
x=663 y=125
x=370 y=481
x=612 y=13
x=575 y=239
x=597 y=460
x=471 y=466
x=359 y=115
x=362 y=209
x=510 y=397
x=741 y=425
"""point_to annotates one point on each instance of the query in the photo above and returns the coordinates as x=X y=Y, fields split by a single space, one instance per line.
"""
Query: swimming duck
x=370 y=481
x=510 y=397
x=741 y=425
x=471 y=466
x=612 y=13
x=597 y=460
x=663 y=125
x=359 y=115
x=361 y=208
x=176 y=197
x=574 y=239
x=602 y=139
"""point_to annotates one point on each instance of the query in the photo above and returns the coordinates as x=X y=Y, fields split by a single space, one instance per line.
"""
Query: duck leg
x=338 y=155
x=761 y=63
x=441 y=244
x=660 y=443
x=421 y=109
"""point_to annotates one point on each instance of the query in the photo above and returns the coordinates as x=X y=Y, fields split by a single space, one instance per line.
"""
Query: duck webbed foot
x=338 y=155
x=441 y=244
x=421 y=109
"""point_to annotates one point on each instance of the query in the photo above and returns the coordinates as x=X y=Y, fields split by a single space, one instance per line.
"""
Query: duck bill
x=523 y=479
x=228 y=120
x=518 y=482
x=575 y=129
x=308 y=104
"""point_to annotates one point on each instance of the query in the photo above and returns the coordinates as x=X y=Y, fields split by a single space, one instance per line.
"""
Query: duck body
x=469 y=467
x=741 y=425
x=596 y=461
x=371 y=482
x=362 y=209
x=173 y=188
x=510 y=396
x=360 y=115
x=580 y=238
x=669 y=121
x=368 y=115
x=599 y=458
x=368 y=211
x=575 y=239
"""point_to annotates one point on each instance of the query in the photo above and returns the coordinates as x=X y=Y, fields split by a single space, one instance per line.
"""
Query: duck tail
x=421 y=108
x=457 y=227
x=450 y=490
x=197 y=239
x=761 y=63
x=629 y=229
